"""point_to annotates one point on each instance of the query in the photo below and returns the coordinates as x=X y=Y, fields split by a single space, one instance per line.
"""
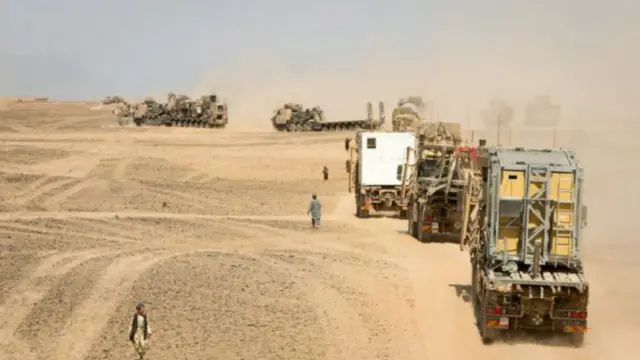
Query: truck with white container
x=374 y=160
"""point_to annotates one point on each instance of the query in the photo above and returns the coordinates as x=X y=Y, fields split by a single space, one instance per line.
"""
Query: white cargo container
x=380 y=154
x=375 y=168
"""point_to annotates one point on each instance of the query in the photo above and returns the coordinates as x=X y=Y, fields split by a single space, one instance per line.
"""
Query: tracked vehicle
x=408 y=114
x=294 y=117
x=524 y=240
x=179 y=111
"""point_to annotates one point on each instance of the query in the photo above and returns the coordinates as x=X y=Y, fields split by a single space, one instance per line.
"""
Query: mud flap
x=488 y=334
x=360 y=212
x=423 y=235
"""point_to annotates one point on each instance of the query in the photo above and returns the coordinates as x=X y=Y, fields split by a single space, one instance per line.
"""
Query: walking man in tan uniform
x=140 y=331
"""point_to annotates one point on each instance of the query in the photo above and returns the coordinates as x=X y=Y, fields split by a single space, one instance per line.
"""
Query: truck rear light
x=428 y=219
x=494 y=310
x=578 y=314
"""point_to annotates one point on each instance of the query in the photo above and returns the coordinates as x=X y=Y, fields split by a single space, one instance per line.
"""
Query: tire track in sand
x=56 y=200
x=347 y=334
x=30 y=290
x=120 y=170
x=87 y=322
x=41 y=189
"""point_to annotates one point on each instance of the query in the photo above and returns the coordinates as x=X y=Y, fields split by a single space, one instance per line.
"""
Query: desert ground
x=209 y=229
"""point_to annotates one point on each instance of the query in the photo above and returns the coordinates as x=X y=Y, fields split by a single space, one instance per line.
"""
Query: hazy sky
x=339 y=54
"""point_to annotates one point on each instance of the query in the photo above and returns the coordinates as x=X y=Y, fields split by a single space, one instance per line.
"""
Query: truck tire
x=402 y=214
x=412 y=225
x=475 y=286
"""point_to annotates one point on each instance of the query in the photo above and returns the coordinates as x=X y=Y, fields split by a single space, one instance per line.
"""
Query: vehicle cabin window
x=371 y=143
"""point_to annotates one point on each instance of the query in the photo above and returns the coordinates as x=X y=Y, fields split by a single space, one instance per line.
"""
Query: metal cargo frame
x=538 y=166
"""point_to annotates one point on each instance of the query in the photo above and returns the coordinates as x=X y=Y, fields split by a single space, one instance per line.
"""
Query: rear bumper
x=548 y=325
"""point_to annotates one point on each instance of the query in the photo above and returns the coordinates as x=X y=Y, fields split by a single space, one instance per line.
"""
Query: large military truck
x=372 y=164
x=294 y=117
x=433 y=184
x=179 y=111
x=409 y=114
x=525 y=242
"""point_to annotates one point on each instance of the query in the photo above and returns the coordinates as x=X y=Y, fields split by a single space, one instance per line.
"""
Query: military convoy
x=409 y=114
x=179 y=111
x=520 y=214
x=294 y=117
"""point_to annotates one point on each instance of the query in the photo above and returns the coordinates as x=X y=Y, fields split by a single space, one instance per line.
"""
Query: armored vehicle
x=409 y=114
x=433 y=190
x=294 y=117
x=179 y=111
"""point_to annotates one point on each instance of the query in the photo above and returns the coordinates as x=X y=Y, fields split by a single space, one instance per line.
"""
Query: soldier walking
x=315 y=210
x=140 y=331
x=325 y=173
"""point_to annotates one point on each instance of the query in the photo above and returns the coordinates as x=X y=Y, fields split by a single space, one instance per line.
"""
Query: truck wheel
x=422 y=235
x=403 y=214
x=475 y=286
x=412 y=226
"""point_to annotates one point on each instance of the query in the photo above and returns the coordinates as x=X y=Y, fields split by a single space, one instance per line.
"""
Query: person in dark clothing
x=315 y=210
x=140 y=332
x=325 y=173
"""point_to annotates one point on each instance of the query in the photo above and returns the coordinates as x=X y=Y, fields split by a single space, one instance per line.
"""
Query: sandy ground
x=209 y=229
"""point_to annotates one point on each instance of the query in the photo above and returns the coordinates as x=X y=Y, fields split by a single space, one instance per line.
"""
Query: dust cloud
x=582 y=53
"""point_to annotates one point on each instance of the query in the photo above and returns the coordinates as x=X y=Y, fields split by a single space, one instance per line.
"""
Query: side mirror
x=399 y=171
x=347 y=166
x=583 y=217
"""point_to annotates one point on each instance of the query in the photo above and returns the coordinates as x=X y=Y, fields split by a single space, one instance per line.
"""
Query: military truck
x=372 y=164
x=525 y=242
x=294 y=117
x=432 y=185
x=408 y=114
x=179 y=111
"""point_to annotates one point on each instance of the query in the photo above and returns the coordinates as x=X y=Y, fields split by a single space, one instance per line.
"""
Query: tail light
x=429 y=219
x=494 y=310
x=578 y=314
x=473 y=151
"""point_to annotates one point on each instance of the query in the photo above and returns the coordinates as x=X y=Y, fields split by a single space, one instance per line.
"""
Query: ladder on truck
x=547 y=220
x=563 y=224
x=408 y=182
x=536 y=217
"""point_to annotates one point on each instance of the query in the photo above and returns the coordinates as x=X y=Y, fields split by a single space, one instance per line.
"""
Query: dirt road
x=209 y=228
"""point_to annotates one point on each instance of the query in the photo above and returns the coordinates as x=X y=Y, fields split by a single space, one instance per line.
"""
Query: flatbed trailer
x=286 y=120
